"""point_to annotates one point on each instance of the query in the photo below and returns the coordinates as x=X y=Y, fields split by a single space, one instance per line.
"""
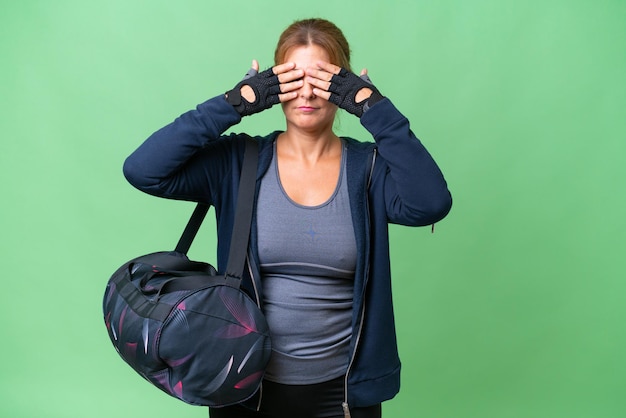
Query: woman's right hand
x=260 y=91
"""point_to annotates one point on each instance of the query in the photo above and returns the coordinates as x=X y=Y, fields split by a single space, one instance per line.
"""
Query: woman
x=319 y=251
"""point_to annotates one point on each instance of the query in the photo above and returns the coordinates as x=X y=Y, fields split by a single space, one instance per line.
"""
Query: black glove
x=265 y=86
x=344 y=87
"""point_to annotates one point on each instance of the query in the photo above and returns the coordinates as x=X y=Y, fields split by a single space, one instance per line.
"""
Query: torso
x=307 y=256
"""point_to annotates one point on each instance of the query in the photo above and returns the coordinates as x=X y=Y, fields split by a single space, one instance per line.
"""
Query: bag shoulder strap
x=243 y=214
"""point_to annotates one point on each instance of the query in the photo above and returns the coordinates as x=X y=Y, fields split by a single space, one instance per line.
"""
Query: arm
x=187 y=158
x=415 y=191
x=172 y=161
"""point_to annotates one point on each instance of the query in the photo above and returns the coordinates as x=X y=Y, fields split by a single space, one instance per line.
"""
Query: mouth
x=306 y=108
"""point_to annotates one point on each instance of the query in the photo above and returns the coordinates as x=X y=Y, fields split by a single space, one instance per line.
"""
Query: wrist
x=233 y=97
x=374 y=98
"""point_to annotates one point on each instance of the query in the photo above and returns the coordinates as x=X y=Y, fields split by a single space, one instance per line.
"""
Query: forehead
x=305 y=56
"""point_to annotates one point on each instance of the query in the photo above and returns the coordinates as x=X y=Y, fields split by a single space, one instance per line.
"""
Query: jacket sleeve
x=415 y=190
x=185 y=159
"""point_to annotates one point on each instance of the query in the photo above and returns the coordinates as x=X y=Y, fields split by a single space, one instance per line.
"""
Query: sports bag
x=192 y=333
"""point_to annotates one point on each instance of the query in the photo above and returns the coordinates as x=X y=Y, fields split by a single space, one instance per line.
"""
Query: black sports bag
x=189 y=331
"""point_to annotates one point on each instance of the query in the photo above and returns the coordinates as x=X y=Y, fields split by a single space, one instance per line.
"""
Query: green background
x=514 y=308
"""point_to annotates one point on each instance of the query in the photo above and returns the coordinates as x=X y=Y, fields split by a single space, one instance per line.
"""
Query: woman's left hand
x=343 y=88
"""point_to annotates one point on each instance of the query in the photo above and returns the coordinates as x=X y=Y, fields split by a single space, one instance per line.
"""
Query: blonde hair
x=318 y=32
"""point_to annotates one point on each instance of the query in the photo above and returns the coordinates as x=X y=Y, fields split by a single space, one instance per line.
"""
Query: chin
x=311 y=123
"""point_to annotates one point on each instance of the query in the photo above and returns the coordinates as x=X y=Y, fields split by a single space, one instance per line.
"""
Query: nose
x=306 y=91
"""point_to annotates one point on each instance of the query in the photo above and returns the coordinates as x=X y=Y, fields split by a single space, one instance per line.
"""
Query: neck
x=308 y=146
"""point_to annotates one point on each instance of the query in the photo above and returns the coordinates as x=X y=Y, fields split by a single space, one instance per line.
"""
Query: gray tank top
x=307 y=257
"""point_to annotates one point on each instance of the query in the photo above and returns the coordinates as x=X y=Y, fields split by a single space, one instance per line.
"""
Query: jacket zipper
x=345 y=406
x=256 y=291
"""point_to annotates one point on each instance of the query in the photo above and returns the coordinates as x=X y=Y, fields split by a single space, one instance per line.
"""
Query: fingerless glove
x=344 y=88
x=266 y=88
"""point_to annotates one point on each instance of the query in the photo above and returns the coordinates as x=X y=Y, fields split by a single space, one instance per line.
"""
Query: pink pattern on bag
x=178 y=389
x=253 y=378
x=239 y=311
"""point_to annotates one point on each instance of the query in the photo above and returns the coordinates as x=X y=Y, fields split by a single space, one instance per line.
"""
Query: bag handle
x=193 y=225
x=243 y=214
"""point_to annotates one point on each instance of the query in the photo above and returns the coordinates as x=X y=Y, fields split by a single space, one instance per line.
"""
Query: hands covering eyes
x=355 y=94
x=260 y=91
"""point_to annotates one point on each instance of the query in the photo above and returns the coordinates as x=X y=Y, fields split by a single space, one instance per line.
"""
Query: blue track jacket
x=394 y=180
